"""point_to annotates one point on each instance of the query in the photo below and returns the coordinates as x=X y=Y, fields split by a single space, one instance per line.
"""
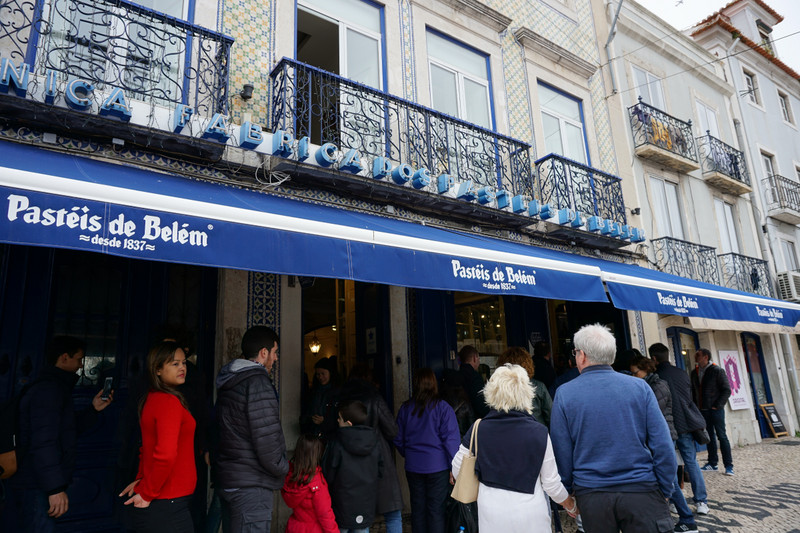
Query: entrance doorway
x=754 y=359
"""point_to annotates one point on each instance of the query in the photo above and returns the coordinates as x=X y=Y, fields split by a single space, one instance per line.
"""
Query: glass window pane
x=363 y=59
x=789 y=255
x=443 y=90
x=575 y=146
x=559 y=104
x=660 y=207
x=170 y=7
x=641 y=87
x=656 y=94
x=722 y=223
x=354 y=12
x=457 y=56
x=673 y=209
x=476 y=99
x=552 y=135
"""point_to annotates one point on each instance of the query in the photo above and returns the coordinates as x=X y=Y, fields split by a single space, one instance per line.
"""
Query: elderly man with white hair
x=612 y=443
x=515 y=463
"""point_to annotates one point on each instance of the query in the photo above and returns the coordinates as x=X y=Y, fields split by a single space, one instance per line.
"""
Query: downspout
x=612 y=32
x=766 y=245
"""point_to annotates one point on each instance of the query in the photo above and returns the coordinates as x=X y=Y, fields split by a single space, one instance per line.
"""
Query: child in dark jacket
x=352 y=466
x=305 y=490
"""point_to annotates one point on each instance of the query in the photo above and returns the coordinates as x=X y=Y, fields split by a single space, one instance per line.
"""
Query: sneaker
x=685 y=528
x=709 y=467
x=672 y=508
x=702 y=508
x=728 y=470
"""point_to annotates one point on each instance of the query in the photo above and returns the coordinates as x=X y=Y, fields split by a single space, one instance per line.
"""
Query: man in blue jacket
x=611 y=443
x=48 y=431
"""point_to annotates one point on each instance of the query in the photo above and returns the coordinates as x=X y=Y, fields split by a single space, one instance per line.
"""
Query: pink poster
x=739 y=394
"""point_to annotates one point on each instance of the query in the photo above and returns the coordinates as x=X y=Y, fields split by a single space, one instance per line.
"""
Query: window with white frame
x=786 y=107
x=707 y=120
x=648 y=86
x=562 y=119
x=729 y=242
x=459 y=80
x=769 y=164
x=764 y=32
x=789 y=255
x=751 y=85
x=666 y=207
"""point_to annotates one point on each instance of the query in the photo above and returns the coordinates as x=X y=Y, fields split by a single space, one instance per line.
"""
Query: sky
x=684 y=14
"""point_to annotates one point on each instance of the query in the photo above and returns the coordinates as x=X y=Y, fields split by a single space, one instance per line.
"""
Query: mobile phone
x=107 y=388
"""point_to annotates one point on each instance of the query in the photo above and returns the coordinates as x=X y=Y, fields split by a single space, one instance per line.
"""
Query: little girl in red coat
x=305 y=490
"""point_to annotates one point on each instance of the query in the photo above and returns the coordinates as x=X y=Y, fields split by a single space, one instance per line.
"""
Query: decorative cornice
x=558 y=54
x=481 y=12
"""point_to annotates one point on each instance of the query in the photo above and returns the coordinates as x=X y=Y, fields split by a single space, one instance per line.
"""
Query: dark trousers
x=249 y=510
x=715 y=424
x=25 y=511
x=428 y=493
x=629 y=512
x=163 y=516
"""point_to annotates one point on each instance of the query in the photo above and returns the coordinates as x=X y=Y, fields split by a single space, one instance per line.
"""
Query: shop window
x=666 y=207
x=648 y=86
x=481 y=322
x=684 y=343
x=459 y=80
x=562 y=119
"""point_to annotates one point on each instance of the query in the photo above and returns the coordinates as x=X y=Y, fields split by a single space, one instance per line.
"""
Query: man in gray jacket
x=252 y=453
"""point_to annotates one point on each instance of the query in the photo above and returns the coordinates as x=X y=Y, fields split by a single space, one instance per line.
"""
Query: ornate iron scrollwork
x=687 y=259
x=307 y=101
x=567 y=183
x=746 y=274
x=782 y=193
x=652 y=126
x=716 y=156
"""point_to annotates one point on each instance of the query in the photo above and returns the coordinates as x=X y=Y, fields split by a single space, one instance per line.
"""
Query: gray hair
x=597 y=342
x=509 y=388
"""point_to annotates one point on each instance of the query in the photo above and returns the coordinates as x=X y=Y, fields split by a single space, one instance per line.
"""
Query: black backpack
x=9 y=431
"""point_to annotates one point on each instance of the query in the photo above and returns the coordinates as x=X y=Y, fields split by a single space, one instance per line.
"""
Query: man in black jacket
x=252 y=453
x=48 y=432
x=473 y=383
x=711 y=390
x=686 y=419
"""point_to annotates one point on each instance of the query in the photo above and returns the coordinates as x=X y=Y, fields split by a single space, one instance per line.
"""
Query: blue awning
x=68 y=201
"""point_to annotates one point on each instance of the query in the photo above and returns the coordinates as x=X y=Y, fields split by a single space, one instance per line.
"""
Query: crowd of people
x=599 y=440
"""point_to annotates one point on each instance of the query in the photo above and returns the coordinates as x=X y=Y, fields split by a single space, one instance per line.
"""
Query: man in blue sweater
x=611 y=443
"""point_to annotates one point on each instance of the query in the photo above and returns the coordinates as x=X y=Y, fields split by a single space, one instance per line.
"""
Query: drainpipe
x=612 y=32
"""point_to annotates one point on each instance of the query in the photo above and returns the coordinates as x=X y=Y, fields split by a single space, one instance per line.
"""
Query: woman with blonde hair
x=515 y=464
x=542 y=402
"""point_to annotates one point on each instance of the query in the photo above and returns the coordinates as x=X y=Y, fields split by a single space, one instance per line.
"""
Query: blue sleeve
x=562 y=442
x=448 y=430
x=660 y=444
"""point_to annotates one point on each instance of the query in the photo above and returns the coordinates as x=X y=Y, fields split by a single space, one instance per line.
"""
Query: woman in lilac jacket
x=428 y=438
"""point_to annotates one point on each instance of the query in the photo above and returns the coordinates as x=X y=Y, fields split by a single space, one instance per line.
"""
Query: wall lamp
x=247 y=91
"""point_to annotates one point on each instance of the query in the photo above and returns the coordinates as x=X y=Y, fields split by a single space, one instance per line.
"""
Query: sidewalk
x=764 y=495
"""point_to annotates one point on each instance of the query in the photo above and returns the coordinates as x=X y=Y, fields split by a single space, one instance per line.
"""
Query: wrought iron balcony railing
x=782 y=193
x=115 y=43
x=687 y=259
x=718 y=157
x=307 y=101
x=567 y=183
x=746 y=274
x=651 y=126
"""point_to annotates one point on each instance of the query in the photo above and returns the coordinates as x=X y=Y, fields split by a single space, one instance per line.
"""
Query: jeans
x=248 y=509
x=428 y=495
x=685 y=514
x=689 y=455
x=715 y=424
x=29 y=507
x=394 y=521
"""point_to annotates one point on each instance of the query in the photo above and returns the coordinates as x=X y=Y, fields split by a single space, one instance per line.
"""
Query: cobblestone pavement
x=763 y=496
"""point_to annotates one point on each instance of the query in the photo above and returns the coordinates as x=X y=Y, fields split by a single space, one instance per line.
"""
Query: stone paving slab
x=763 y=496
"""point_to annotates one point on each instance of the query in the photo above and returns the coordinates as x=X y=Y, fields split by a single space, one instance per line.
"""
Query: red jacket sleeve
x=322 y=507
x=165 y=415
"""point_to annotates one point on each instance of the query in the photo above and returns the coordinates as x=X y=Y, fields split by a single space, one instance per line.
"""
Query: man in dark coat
x=711 y=390
x=686 y=419
x=48 y=431
x=251 y=459
x=473 y=384
x=542 y=366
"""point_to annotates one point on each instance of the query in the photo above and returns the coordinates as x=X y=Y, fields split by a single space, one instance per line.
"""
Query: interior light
x=314 y=345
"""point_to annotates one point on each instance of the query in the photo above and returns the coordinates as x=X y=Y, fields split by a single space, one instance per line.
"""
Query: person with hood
x=390 y=496
x=305 y=490
x=319 y=416
x=352 y=466
x=251 y=459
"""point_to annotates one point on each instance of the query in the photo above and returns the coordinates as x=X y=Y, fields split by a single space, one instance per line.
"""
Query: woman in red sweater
x=167 y=476
x=305 y=490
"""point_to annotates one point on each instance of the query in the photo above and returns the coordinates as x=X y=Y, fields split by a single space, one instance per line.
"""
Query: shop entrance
x=684 y=343
x=754 y=358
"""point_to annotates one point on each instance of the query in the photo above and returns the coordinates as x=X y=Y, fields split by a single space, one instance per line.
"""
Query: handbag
x=460 y=517
x=701 y=436
x=465 y=489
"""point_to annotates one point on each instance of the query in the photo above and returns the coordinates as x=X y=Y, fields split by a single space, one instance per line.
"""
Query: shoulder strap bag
x=465 y=489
